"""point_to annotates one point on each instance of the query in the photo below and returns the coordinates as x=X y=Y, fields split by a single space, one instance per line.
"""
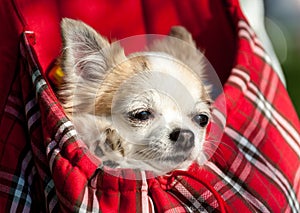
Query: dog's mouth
x=168 y=163
x=165 y=160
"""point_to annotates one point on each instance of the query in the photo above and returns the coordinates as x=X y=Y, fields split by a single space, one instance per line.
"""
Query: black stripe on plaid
x=20 y=192
x=246 y=32
x=258 y=50
x=51 y=198
x=38 y=81
x=255 y=156
x=34 y=125
x=48 y=185
x=237 y=190
x=268 y=108
x=242 y=25
x=251 y=152
x=32 y=114
x=190 y=197
x=14 y=107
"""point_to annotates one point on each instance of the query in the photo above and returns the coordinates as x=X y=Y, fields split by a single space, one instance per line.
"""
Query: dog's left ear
x=180 y=44
x=182 y=34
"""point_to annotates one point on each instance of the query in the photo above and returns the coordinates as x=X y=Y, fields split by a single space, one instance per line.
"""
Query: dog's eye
x=201 y=120
x=141 y=115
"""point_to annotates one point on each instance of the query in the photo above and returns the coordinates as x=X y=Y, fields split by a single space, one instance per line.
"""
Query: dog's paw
x=114 y=142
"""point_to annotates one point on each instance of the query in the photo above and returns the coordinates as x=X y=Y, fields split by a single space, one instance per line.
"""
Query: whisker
x=147 y=153
x=212 y=142
x=220 y=157
x=218 y=153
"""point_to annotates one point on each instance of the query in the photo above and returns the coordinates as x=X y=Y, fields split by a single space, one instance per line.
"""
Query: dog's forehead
x=172 y=70
x=141 y=73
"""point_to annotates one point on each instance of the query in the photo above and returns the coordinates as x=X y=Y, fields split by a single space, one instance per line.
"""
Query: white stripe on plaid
x=61 y=137
x=15 y=99
x=245 y=32
x=84 y=207
x=243 y=176
x=36 y=74
x=14 y=112
x=13 y=106
x=195 y=202
x=29 y=105
x=38 y=83
x=257 y=50
x=71 y=133
x=21 y=193
x=288 y=132
x=33 y=118
x=178 y=209
x=242 y=79
x=214 y=203
x=61 y=129
x=243 y=24
x=257 y=114
x=48 y=189
x=297 y=183
x=144 y=193
x=51 y=146
x=248 y=34
x=227 y=195
x=185 y=209
x=52 y=158
x=151 y=204
x=238 y=188
x=265 y=167
x=220 y=116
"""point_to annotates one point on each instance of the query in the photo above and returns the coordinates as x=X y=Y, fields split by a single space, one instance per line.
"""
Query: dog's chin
x=159 y=166
x=169 y=166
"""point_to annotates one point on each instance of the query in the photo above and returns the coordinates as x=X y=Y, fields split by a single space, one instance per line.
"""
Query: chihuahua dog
x=147 y=110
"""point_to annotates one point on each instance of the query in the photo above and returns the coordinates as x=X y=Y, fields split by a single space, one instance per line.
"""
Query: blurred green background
x=282 y=25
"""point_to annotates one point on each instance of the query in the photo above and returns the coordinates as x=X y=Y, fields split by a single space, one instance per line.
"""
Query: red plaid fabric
x=256 y=168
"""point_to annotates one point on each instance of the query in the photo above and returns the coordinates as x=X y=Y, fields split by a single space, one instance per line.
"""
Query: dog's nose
x=184 y=138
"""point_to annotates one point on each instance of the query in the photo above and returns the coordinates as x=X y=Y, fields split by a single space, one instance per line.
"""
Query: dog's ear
x=85 y=52
x=86 y=58
x=182 y=34
x=180 y=45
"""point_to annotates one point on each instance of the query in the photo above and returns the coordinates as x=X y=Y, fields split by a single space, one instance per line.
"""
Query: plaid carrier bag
x=44 y=167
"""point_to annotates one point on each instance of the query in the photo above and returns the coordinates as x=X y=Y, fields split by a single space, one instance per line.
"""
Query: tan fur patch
x=114 y=79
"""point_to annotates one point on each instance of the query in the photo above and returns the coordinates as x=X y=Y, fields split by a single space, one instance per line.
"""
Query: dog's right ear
x=181 y=45
x=85 y=52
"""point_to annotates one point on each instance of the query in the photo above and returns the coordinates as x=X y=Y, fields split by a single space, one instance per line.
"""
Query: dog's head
x=156 y=104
